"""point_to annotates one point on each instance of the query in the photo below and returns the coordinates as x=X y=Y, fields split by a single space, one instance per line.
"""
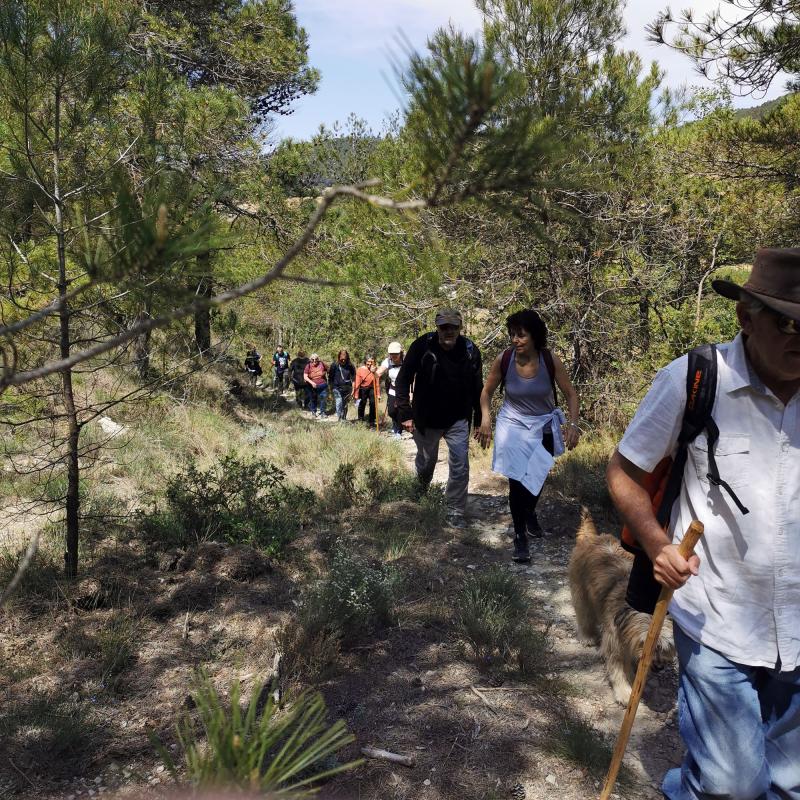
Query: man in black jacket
x=444 y=370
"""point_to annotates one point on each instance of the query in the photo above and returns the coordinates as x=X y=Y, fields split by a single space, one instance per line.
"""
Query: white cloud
x=351 y=27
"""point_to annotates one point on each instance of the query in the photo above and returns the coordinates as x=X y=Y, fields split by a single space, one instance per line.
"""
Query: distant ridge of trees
x=760 y=111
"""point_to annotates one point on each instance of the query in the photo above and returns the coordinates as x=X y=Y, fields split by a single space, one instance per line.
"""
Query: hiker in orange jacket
x=364 y=389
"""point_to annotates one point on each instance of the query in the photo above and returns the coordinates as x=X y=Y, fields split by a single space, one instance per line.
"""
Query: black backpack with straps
x=430 y=338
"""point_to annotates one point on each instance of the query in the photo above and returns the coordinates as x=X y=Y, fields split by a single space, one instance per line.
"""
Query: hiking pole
x=685 y=548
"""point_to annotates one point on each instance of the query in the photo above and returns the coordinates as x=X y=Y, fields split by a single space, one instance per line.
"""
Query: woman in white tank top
x=529 y=423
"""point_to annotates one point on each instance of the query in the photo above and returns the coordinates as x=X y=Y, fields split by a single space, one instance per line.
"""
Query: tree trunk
x=67 y=391
x=202 y=317
x=141 y=346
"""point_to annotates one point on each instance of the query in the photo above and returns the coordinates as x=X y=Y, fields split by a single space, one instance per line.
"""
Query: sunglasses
x=446 y=328
x=786 y=325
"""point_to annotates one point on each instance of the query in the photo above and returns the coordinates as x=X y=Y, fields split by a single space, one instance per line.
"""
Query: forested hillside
x=170 y=527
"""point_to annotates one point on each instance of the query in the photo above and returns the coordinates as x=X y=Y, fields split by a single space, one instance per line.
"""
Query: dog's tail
x=587 y=528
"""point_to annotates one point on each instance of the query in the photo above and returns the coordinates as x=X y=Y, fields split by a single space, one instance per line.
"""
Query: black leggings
x=391 y=412
x=522 y=502
x=367 y=395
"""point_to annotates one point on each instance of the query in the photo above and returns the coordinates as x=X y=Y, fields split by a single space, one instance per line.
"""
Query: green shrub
x=492 y=618
x=382 y=486
x=343 y=490
x=234 y=500
x=354 y=600
x=351 y=486
x=257 y=749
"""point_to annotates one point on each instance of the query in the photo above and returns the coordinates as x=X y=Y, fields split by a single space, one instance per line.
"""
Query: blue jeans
x=341 y=397
x=319 y=396
x=741 y=727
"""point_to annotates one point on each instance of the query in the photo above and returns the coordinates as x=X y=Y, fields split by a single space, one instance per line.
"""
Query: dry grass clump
x=311 y=451
x=577 y=741
x=47 y=728
x=38 y=588
x=109 y=642
x=492 y=618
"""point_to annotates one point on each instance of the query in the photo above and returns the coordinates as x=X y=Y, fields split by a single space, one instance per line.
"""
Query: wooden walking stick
x=685 y=548
x=377 y=384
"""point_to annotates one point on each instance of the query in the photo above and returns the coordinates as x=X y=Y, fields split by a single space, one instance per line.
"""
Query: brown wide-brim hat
x=774 y=280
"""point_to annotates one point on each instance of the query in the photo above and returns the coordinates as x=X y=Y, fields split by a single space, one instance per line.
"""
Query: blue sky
x=351 y=42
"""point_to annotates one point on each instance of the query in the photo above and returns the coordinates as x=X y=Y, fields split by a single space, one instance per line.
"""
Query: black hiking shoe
x=456 y=520
x=521 y=553
x=533 y=527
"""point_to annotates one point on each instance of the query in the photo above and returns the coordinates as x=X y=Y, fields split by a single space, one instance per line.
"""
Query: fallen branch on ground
x=488 y=705
x=385 y=755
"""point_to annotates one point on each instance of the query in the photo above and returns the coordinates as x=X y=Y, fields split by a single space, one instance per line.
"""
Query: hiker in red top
x=529 y=423
x=316 y=376
x=364 y=390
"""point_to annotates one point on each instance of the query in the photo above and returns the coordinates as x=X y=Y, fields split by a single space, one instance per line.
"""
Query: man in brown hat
x=737 y=601
x=445 y=371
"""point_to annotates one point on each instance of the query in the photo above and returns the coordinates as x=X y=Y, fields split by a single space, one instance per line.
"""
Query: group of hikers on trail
x=444 y=369
x=718 y=434
x=312 y=379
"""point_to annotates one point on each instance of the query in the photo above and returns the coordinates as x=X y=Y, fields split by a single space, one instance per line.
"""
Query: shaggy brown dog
x=598 y=579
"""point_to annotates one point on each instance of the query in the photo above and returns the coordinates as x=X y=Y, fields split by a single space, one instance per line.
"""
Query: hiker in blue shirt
x=280 y=365
x=340 y=377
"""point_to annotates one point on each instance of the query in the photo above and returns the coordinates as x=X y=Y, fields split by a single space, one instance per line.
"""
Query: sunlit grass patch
x=576 y=740
x=581 y=473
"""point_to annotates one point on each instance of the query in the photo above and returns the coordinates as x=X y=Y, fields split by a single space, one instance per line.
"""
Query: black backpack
x=472 y=354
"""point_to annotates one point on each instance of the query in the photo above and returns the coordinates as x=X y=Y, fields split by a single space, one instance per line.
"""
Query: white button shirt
x=745 y=602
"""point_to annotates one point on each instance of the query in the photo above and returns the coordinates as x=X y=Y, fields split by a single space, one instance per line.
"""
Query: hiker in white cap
x=391 y=367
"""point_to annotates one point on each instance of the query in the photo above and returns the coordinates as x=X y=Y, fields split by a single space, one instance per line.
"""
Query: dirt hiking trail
x=581 y=690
